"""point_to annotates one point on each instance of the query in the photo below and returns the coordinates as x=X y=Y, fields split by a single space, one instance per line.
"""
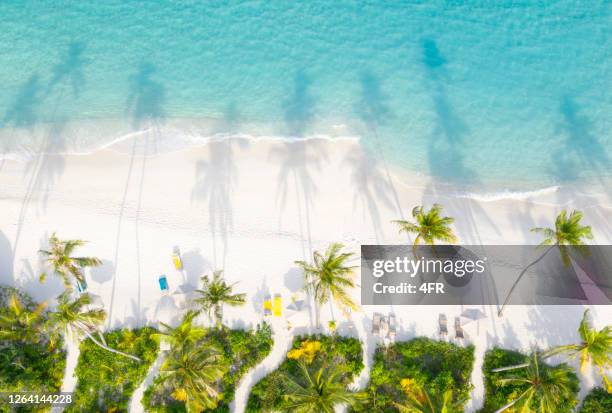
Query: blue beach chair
x=81 y=286
x=163 y=284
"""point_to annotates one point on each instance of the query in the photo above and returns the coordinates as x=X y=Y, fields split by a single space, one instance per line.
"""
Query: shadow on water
x=446 y=150
x=69 y=69
x=371 y=176
x=580 y=149
x=22 y=113
x=145 y=108
x=216 y=179
x=300 y=107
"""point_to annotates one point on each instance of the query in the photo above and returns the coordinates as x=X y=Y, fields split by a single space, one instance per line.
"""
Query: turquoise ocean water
x=511 y=94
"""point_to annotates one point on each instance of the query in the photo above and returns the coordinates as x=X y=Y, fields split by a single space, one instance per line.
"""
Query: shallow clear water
x=514 y=94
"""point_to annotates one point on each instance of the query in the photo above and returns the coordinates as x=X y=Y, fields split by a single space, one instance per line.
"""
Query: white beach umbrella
x=472 y=314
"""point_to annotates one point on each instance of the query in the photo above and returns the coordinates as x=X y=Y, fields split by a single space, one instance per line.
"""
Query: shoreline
x=183 y=141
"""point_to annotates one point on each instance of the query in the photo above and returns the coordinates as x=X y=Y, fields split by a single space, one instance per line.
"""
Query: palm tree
x=59 y=256
x=215 y=294
x=319 y=389
x=21 y=323
x=76 y=320
x=192 y=374
x=329 y=277
x=422 y=401
x=547 y=388
x=184 y=334
x=595 y=348
x=568 y=231
x=429 y=226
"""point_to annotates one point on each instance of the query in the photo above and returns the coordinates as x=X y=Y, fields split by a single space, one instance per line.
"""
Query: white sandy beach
x=252 y=208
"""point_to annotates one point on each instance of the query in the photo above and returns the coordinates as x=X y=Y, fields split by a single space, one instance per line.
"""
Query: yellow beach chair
x=176 y=259
x=267 y=305
x=278 y=305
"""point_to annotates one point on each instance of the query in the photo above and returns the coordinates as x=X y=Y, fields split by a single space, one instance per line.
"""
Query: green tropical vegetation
x=597 y=401
x=29 y=357
x=328 y=278
x=429 y=226
x=74 y=318
x=406 y=374
x=536 y=388
x=567 y=233
x=595 y=348
x=203 y=366
x=313 y=378
x=319 y=387
x=106 y=382
x=65 y=265
x=216 y=293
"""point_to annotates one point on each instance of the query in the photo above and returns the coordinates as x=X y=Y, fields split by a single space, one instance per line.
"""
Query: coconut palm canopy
x=20 y=322
x=215 y=294
x=59 y=257
x=329 y=276
x=568 y=231
x=319 y=389
x=429 y=226
x=193 y=374
x=546 y=387
x=595 y=348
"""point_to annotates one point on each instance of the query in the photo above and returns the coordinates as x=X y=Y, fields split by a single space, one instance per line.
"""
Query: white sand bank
x=252 y=209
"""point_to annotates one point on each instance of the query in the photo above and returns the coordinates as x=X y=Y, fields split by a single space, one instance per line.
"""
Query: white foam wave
x=508 y=194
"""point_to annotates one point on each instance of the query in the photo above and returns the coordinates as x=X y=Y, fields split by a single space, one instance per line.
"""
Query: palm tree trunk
x=501 y=310
x=112 y=350
x=518 y=366
x=219 y=316
x=512 y=403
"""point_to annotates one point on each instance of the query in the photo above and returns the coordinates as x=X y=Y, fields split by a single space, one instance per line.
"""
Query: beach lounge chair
x=442 y=325
x=392 y=326
x=176 y=259
x=277 y=308
x=81 y=285
x=163 y=284
x=267 y=305
x=384 y=327
x=376 y=324
x=458 y=329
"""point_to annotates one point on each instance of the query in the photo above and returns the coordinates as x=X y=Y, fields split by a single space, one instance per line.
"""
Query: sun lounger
x=392 y=326
x=384 y=327
x=458 y=328
x=278 y=305
x=376 y=324
x=163 y=284
x=267 y=305
x=176 y=259
x=442 y=326
x=81 y=285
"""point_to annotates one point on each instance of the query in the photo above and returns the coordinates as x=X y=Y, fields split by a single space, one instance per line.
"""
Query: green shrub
x=242 y=350
x=497 y=396
x=597 y=401
x=267 y=394
x=106 y=380
x=435 y=365
x=26 y=366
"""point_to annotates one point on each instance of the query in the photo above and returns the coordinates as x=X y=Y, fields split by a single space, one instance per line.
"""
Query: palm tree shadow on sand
x=216 y=180
x=145 y=109
x=298 y=156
